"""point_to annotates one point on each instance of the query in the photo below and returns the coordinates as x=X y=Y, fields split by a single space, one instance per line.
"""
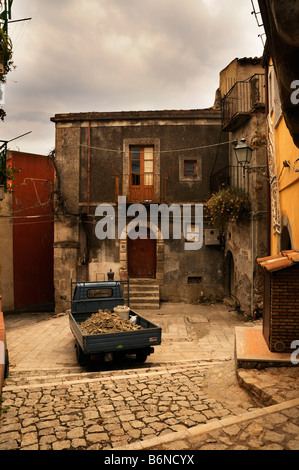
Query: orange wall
x=288 y=184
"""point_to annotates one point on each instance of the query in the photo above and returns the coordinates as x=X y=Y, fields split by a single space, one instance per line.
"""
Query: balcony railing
x=230 y=176
x=241 y=100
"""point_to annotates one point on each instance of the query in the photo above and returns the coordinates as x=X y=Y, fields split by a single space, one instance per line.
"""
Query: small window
x=190 y=168
x=99 y=293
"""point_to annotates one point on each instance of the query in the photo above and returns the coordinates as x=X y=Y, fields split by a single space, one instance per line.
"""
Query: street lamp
x=243 y=153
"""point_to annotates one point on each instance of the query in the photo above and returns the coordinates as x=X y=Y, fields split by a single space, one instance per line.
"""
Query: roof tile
x=282 y=260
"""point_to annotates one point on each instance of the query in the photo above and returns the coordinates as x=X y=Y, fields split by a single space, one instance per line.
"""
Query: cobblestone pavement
x=106 y=409
x=187 y=396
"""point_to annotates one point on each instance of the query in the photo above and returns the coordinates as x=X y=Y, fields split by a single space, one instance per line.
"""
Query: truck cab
x=89 y=297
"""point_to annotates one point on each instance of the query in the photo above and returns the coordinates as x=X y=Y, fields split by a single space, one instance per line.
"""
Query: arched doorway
x=142 y=255
x=286 y=243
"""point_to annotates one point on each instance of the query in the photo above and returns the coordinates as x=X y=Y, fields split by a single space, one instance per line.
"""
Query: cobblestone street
x=107 y=411
x=184 y=403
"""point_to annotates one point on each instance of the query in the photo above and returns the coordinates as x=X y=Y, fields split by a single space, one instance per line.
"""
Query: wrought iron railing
x=243 y=97
x=230 y=176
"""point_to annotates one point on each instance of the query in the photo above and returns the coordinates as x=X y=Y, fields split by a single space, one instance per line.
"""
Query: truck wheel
x=141 y=356
x=6 y=367
x=80 y=355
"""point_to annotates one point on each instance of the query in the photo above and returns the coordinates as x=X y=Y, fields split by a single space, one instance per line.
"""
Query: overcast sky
x=118 y=55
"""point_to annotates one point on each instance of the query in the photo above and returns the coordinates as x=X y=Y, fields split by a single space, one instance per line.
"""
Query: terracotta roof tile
x=283 y=260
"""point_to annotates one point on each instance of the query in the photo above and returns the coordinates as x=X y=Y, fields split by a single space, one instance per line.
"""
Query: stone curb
x=61 y=381
x=209 y=427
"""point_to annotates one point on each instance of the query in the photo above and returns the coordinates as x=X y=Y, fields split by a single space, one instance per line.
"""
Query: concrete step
x=26 y=379
x=140 y=288
x=143 y=306
x=143 y=295
x=148 y=295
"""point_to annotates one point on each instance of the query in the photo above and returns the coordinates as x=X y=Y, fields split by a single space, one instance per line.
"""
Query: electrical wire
x=162 y=151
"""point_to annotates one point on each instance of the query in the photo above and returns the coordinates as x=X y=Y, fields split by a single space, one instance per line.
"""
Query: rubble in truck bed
x=104 y=322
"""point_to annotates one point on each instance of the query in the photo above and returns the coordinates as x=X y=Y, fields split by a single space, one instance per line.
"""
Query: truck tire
x=141 y=356
x=6 y=367
x=80 y=355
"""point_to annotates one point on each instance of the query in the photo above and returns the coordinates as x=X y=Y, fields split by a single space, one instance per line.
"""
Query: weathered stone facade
x=242 y=89
x=93 y=167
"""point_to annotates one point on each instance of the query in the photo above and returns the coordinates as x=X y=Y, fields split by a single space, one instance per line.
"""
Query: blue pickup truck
x=90 y=297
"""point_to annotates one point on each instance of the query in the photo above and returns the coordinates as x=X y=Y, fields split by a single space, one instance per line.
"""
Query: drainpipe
x=88 y=168
x=88 y=200
x=269 y=211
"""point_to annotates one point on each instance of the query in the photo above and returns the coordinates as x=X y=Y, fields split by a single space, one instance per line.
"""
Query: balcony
x=230 y=176
x=242 y=100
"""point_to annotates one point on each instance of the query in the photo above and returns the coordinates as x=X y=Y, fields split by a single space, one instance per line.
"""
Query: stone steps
x=144 y=294
x=29 y=378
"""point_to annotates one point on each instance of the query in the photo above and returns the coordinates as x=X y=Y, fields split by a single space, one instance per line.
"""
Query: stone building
x=147 y=157
x=241 y=96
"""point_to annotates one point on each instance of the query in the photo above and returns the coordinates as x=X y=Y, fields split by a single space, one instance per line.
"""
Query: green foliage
x=7 y=177
x=229 y=204
x=5 y=52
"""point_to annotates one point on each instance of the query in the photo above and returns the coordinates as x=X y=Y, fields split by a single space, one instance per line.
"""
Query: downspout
x=88 y=200
x=88 y=169
x=268 y=173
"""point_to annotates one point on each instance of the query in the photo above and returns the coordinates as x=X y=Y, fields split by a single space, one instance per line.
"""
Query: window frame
x=190 y=178
x=126 y=180
x=142 y=191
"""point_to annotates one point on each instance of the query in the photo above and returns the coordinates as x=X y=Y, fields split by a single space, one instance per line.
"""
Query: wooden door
x=142 y=257
x=142 y=174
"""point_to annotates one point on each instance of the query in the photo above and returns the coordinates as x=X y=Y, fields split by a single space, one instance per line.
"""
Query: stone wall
x=92 y=167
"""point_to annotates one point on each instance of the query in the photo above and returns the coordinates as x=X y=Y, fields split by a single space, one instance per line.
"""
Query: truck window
x=99 y=293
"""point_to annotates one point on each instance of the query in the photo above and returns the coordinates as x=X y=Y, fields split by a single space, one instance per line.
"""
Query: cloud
x=110 y=55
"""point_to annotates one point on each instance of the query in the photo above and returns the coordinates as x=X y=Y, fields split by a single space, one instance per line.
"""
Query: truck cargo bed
x=149 y=335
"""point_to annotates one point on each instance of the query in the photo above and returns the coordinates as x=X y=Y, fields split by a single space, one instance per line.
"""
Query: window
x=142 y=173
x=99 y=293
x=190 y=168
